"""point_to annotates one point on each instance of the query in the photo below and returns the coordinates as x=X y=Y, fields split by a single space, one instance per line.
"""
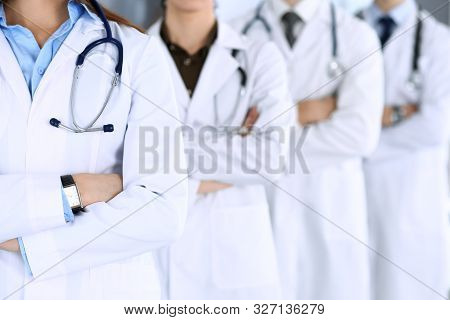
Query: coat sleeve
x=353 y=129
x=151 y=211
x=30 y=204
x=251 y=159
x=430 y=126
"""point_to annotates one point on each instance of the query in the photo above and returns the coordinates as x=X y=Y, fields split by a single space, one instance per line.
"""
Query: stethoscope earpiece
x=108 y=128
x=57 y=124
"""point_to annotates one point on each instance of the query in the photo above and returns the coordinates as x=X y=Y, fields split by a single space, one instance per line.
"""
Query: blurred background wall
x=144 y=12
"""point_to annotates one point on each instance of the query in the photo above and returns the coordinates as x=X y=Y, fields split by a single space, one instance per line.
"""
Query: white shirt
x=305 y=9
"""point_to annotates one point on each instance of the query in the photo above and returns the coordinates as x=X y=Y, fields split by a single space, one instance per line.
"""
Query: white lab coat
x=227 y=249
x=319 y=212
x=107 y=252
x=407 y=176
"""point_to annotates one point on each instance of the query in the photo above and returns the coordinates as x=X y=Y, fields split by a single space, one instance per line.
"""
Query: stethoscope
x=414 y=81
x=335 y=68
x=224 y=126
x=78 y=67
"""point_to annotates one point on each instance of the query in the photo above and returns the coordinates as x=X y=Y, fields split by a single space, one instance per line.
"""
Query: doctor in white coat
x=106 y=251
x=407 y=176
x=222 y=79
x=319 y=208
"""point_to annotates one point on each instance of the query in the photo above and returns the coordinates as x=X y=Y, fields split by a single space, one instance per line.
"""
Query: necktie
x=387 y=25
x=290 y=20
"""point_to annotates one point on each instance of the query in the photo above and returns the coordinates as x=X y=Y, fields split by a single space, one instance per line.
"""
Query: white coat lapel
x=317 y=25
x=181 y=92
x=78 y=39
x=307 y=37
x=219 y=67
x=277 y=34
x=13 y=74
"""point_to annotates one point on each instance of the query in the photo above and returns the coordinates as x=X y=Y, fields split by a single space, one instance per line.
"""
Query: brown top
x=189 y=66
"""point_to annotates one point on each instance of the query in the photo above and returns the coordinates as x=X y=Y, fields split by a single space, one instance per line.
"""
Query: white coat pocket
x=124 y=280
x=243 y=253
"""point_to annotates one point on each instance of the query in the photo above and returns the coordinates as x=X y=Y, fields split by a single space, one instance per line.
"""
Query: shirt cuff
x=68 y=213
x=24 y=257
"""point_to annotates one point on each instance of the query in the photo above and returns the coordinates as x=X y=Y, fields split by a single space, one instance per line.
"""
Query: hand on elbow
x=395 y=115
x=315 y=111
x=10 y=245
x=94 y=188
x=250 y=121
x=212 y=186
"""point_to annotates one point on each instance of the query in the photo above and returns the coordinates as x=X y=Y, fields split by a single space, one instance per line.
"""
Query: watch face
x=72 y=196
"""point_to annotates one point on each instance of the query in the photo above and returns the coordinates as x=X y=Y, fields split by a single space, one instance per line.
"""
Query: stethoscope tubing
x=108 y=39
x=335 y=68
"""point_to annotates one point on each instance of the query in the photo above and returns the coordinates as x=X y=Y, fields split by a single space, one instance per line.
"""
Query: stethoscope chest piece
x=335 y=69
x=415 y=81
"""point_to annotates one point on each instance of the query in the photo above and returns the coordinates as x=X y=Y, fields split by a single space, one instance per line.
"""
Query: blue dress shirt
x=399 y=14
x=34 y=61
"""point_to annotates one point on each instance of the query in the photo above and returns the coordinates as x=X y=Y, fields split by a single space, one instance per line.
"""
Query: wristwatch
x=397 y=115
x=73 y=196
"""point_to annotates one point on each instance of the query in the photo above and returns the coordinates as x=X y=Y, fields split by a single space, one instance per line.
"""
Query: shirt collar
x=2 y=16
x=399 y=13
x=75 y=12
x=212 y=37
x=305 y=9
x=90 y=13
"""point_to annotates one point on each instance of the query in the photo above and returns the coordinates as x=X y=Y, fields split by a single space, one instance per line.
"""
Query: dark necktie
x=290 y=20
x=387 y=25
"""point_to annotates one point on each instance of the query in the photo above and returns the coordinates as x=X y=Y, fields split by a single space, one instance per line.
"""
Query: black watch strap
x=68 y=182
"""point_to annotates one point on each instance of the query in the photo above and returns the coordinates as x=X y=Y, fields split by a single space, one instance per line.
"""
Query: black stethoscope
x=79 y=65
x=224 y=126
x=335 y=68
x=415 y=78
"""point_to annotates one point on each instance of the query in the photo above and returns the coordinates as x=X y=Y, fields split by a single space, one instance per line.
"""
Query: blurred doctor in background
x=222 y=80
x=407 y=176
x=336 y=79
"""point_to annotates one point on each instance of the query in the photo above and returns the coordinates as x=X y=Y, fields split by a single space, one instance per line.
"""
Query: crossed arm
x=314 y=111
x=93 y=188
x=96 y=188
x=206 y=187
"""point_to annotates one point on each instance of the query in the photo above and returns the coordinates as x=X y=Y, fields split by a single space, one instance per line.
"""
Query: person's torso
x=29 y=144
x=217 y=102
x=309 y=59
